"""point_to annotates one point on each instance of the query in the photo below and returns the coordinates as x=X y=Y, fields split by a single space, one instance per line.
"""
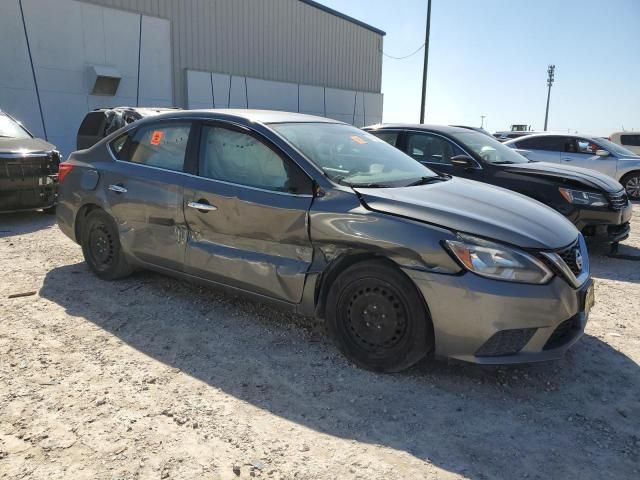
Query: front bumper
x=605 y=224
x=468 y=310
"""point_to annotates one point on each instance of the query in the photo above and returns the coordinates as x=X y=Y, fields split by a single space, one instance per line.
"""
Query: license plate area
x=587 y=299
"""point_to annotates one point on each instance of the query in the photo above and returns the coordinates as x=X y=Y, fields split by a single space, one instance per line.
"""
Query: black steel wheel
x=101 y=246
x=377 y=318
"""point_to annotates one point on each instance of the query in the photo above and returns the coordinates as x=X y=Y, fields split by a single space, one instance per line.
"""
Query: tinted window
x=549 y=143
x=92 y=124
x=237 y=157
x=390 y=137
x=162 y=146
x=431 y=148
x=633 y=140
x=351 y=156
x=488 y=149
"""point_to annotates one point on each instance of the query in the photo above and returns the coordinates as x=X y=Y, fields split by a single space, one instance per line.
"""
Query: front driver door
x=144 y=189
x=580 y=152
x=247 y=214
x=435 y=152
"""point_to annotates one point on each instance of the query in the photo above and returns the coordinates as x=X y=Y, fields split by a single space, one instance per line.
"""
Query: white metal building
x=62 y=58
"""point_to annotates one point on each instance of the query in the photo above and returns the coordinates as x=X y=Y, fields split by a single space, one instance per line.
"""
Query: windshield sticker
x=358 y=140
x=156 y=137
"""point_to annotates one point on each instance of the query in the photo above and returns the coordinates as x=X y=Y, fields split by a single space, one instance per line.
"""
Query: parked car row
x=407 y=240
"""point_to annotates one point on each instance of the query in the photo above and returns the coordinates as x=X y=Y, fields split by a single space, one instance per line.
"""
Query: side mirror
x=602 y=153
x=463 y=161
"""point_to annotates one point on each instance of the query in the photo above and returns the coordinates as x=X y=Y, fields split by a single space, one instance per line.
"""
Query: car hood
x=26 y=145
x=476 y=208
x=585 y=176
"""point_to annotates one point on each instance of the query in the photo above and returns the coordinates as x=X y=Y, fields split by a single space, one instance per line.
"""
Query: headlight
x=578 y=197
x=497 y=261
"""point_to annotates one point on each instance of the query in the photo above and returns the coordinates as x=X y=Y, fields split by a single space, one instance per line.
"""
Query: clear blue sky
x=490 y=57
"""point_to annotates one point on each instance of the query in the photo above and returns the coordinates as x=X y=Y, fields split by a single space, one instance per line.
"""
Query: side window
x=92 y=124
x=631 y=140
x=431 y=149
x=390 y=137
x=548 y=143
x=162 y=146
x=587 y=147
x=237 y=157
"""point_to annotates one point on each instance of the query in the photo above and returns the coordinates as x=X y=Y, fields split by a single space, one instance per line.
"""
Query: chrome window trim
x=23 y=154
x=303 y=195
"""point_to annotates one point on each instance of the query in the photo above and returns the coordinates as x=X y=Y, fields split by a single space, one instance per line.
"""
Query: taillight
x=63 y=169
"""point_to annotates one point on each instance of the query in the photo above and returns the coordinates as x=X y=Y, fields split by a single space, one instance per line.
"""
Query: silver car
x=584 y=151
x=328 y=220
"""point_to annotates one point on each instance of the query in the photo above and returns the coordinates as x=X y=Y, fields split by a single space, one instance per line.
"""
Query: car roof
x=418 y=126
x=260 y=116
x=556 y=134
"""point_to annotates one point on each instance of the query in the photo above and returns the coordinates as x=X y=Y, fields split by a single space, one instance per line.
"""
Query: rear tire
x=101 y=246
x=377 y=318
x=631 y=184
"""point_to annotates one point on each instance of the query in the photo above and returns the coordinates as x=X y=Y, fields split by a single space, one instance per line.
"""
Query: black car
x=596 y=203
x=102 y=122
x=28 y=169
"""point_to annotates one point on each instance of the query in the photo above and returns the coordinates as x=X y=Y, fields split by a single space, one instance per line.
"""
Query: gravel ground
x=150 y=377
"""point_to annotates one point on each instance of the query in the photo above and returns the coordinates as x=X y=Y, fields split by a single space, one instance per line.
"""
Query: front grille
x=26 y=167
x=618 y=200
x=563 y=333
x=569 y=257
x=506 y=342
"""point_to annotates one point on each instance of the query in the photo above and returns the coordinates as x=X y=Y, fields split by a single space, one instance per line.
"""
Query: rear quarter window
x=92 y=124
x=631 y=140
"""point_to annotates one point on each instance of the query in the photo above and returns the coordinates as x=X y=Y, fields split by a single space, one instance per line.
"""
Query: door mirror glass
x=463 y=161
x=602 y=153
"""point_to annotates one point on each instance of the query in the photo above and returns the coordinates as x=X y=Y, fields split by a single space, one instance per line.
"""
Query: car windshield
x=614 y=148
x=489 y=149
x=9 y=128
x=353 y=157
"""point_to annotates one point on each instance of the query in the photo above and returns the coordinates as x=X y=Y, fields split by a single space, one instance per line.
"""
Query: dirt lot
x=153 y=378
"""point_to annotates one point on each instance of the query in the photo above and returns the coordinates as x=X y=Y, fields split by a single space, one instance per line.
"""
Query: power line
x=406 y=56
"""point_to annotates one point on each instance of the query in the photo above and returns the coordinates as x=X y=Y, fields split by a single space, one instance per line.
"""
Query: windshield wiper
x=425 y=180
x=369 y=185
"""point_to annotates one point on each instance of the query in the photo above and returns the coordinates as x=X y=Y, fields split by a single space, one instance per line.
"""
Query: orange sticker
x=358 y=140
x=156 y=137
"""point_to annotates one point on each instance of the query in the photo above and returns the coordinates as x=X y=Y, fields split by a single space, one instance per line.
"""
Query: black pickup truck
x=28 y=169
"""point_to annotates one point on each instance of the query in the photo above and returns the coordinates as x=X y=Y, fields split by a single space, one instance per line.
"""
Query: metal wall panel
x=281 y=40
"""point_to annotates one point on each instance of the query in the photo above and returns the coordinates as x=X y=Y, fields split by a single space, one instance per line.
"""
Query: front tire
x=631 y=184
x=377 y=318
x=101 y=246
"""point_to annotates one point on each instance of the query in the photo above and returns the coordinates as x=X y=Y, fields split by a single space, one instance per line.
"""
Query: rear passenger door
x=247 y=214
x=541 y=149
x=144 y=190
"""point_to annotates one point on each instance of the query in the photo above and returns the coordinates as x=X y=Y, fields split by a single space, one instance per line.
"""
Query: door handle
x=567 y=159
x=201 y=206
x=117 y=188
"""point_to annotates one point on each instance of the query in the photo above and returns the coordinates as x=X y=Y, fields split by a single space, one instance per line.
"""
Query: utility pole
x=550 y=78
x=426 y=62
x=482 y=117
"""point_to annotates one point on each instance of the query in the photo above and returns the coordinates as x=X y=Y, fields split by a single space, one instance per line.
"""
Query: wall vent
x=103 y=80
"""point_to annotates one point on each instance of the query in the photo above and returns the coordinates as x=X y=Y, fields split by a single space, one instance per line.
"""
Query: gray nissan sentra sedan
x=323 y=218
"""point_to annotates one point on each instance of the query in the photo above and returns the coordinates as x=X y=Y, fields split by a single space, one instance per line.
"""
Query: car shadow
x=622 y=265
x=478 y=422
x=21 y=223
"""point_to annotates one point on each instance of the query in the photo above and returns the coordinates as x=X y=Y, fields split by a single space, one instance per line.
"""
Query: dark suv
x=596 y=203
x=28 y=169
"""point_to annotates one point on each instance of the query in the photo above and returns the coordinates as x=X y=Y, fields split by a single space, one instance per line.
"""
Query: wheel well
x=335 y=268
x=629 y=174
x=82 y=214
